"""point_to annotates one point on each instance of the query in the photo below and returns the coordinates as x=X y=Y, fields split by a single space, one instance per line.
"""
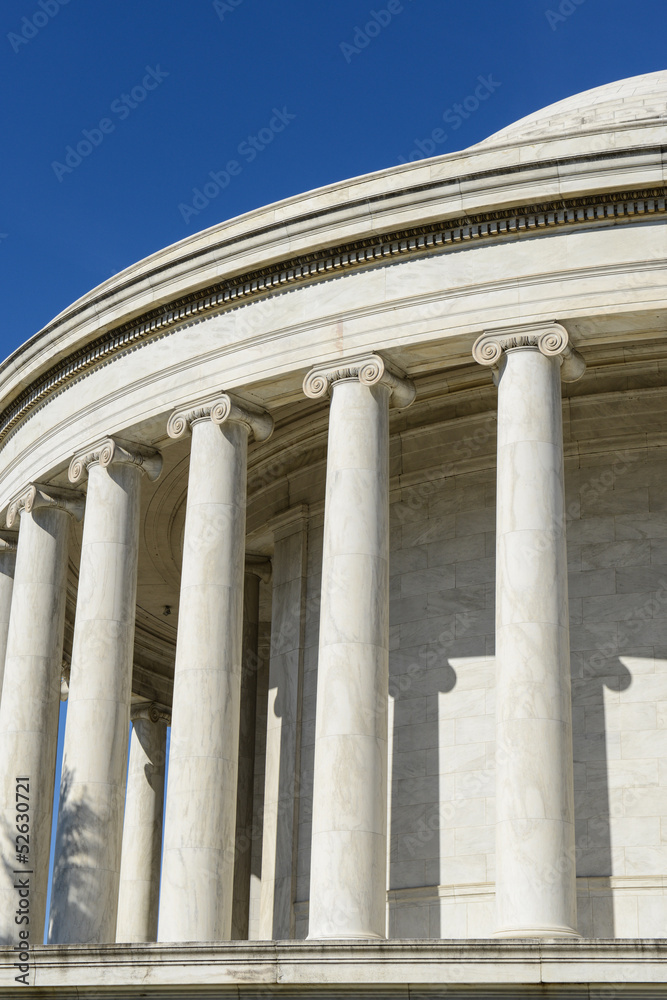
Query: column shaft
x=142 y=828
x=349 y=839
x=535 y=862
x=535 y=856
x=86 y=871
x=283 y=742
x=29 y=711
x=198 y=864
x=7 y=568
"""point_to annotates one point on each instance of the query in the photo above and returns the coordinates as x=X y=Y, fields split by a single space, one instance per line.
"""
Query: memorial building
x=364 y=495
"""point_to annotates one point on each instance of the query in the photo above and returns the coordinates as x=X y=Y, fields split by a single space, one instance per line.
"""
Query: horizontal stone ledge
x=478 y=968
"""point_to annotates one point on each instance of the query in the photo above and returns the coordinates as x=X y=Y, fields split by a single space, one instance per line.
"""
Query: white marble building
x=365 y=494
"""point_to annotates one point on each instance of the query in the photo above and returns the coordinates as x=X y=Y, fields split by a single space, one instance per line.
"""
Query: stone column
x=84 y=896
x=283 y=730
x=535 y=857
x=31 y=698
x=349 y=839
x=8 y=541
x=257 y=568
x=142 y=828
x=198 y=863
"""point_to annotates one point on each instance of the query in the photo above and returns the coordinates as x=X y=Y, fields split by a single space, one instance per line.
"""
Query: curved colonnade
x=169 y=466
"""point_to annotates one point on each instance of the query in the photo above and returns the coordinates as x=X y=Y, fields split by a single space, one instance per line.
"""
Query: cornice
x=221 y=408
x=442 y=236
x=38 y=495
x=369 y=369
x=110 y=451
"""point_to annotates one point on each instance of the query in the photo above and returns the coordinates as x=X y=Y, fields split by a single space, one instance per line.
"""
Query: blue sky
x=295 y=93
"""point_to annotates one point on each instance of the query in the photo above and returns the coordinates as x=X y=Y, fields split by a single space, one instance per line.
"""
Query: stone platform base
x=630 y=968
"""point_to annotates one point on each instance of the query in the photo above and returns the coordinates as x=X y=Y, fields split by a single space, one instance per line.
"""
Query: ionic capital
x=259 y=566
x=112 y=451
x=65 y=672
x=219 y=409
x=371 y=369
x=42 y=495
x=551 y=339
x=150 y=711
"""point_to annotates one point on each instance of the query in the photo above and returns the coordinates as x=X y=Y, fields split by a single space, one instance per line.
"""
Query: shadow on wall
x=259 y=773
x=417 y=810
x=441 y=678
x=593 y=807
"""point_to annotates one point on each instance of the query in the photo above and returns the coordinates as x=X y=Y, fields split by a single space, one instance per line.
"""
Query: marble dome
x=632 y=103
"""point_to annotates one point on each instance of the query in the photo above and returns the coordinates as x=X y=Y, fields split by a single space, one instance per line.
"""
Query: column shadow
x=593 y=807
x=285 y=812
x=259 y=771
x=244 y=801
x=415 y=814
x=80 y=833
